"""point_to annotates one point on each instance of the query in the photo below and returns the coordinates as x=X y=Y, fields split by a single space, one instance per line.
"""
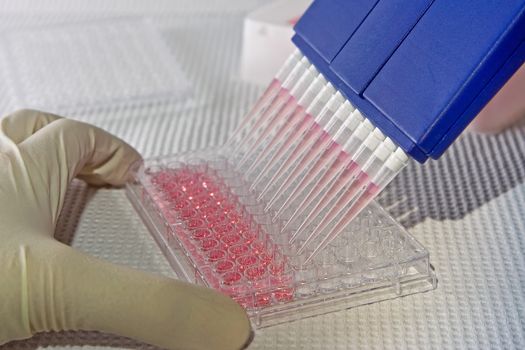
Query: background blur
x=165 y=76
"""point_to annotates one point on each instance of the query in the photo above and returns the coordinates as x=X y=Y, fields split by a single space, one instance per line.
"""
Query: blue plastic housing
x=420 y=70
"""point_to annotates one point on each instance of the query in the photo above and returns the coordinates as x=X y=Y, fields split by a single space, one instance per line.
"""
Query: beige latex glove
x=46 y=285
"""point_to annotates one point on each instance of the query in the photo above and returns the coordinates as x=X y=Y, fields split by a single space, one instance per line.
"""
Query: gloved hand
x=46 y=285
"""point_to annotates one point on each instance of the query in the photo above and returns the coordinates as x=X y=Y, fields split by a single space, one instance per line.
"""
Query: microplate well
x=215 y=233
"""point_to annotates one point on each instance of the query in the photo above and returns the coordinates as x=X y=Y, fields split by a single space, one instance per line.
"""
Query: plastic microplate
x=90 y=63
x=215 y=234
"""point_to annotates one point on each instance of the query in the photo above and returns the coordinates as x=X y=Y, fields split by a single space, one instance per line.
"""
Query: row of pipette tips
x=307 y=144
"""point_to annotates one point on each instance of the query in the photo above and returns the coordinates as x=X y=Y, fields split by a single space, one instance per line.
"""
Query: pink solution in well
x=232 y=253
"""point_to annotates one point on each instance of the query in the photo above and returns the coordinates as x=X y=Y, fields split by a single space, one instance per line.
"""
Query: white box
x=266 y=38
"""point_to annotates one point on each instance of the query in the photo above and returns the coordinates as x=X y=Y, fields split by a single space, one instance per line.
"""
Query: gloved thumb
x=73 y=291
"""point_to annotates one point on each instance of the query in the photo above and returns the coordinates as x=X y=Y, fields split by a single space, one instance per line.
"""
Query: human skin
x=505 y=109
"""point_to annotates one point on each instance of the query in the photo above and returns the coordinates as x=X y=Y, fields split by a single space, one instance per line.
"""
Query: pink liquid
x=364 y=199
x=187 y=213
x=224 y=266
x=196 y=223
x=290 y=125
x=209 y=243
x=249 y=132
x=200 y=234
x=315 y=138
x=307 y=123
x=231 y=239
x=217 y=219
x=262 y=300
x=245 y=261
x=230 y=278
x=222 y=230
x=276 y=268
x=260 y=106
x=284 y=294
x=255 y=273
x=231 y=253
x=216 y=255
x=236 y=251
x=278 y=111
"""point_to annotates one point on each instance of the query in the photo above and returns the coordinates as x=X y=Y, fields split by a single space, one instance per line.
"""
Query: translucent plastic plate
x=214 y=233
x=90 y=63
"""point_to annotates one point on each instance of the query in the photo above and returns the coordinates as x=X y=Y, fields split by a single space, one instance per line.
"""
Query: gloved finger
x=25 y=122
x=67 y=148
x=89 y=294
x=63 y=149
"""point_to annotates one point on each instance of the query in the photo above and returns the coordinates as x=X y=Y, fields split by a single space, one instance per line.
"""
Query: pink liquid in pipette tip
x=222 y=242
x=274 y=122
x=363 y=200
x=260 y=106
x=288 y=126
x=307 y=123
x=282 y=98
x=348 y=196
x=313 y=139
x=307 y=156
